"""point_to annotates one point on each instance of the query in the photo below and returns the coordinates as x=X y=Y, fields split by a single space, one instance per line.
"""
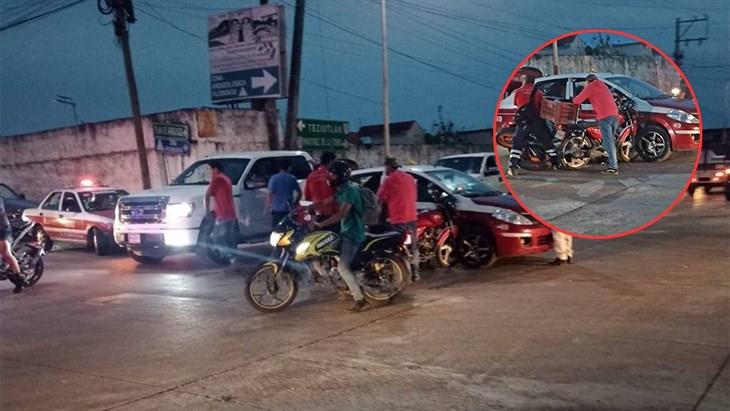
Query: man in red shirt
x=600 y=96
x=225 y=231
x=317 y=188
x=399 y=195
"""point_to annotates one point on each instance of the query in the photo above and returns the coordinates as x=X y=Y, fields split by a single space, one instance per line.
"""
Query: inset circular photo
x=597 y=133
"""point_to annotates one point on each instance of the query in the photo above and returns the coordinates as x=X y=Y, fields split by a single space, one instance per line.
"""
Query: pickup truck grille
x=142 y=210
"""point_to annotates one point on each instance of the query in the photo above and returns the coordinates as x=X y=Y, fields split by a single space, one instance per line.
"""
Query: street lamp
x=69 y=101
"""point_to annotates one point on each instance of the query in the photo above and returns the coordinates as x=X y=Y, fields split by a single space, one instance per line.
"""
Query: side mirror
x=21 y=196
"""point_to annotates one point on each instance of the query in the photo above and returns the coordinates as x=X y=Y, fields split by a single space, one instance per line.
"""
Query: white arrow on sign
x=267 y=81
x=300 y=126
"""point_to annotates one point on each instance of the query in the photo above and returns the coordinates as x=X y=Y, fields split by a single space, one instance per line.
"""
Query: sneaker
x=512 y=171
x=360 y=305
x=416 y=277
x=610 y=171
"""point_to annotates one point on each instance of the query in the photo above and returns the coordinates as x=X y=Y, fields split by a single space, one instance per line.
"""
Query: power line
x=39 y=16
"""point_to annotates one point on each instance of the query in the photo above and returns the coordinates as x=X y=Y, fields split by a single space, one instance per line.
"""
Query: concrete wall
x=654 y=70
x=40 y=162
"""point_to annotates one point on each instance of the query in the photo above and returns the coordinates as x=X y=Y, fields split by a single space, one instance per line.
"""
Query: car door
x=423 y=198
x=254 y=217
x=70 y=226
x=49 y=212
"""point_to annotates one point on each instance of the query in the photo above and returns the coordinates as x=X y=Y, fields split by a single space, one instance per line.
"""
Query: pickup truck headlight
x=509 y=216
x=682 y=116
x=179 y=210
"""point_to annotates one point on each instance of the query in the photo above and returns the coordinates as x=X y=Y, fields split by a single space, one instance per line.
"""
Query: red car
x=666 y=123
x=493 y=221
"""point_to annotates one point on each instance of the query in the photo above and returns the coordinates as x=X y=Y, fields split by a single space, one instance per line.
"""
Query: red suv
x=506 y=229
x=666 y=123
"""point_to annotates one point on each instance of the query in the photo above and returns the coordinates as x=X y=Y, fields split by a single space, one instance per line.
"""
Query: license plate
x=133 y=238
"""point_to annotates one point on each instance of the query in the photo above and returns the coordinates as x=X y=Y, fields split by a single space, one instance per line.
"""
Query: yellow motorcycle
x=379 y=267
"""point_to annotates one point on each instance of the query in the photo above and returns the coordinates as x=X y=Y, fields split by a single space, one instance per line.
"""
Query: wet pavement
x=639 y=322
x=588 y=202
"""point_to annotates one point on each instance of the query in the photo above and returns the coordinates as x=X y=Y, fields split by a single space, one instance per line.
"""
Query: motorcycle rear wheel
x=273 y=283
x=386 y=275
x=31 y=272
x=573 y=152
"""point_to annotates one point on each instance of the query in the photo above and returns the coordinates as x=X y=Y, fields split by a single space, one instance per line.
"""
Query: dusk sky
x=455 y=53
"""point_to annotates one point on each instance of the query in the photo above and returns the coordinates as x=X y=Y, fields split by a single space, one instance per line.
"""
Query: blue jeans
x=348 y=252
x=608 y=127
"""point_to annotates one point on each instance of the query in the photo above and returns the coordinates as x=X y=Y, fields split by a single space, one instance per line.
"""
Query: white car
x=170 y=220
x=482 y=166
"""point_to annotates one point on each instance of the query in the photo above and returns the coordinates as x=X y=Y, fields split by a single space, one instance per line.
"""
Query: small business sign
x=172 y=138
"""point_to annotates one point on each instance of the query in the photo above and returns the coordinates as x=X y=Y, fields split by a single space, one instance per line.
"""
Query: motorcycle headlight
x=682 y=116
x=509 y=216
x=179 y=210
x=274 y=238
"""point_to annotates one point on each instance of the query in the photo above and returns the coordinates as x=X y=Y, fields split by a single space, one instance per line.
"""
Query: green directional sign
x=322 y=134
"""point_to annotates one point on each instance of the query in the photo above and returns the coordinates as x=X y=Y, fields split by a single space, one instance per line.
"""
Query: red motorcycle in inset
x=583 y=142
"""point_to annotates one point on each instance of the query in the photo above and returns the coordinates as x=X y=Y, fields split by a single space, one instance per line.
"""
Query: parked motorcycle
x=29 y=244
x=437 y=233
x=379 y=267
x=583 y=141
x=533 y=156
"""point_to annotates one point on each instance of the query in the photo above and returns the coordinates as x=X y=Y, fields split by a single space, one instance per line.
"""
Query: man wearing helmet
x=352 y=226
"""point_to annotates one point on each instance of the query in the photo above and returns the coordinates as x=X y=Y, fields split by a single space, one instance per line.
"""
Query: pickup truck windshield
x=199 y=172
x=471 y=165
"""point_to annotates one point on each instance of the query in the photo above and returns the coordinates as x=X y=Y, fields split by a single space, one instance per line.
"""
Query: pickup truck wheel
x=146 y=259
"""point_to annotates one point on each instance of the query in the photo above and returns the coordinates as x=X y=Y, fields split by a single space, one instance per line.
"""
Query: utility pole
x=556 y=66
x=292 y=109
x=679 y=37
x=386 y=112
x=268 y=106
x=123 y=11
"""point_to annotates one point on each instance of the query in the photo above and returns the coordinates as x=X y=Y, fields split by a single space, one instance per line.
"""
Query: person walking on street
x=352 y=226
x=317 y=187
x=398 y=194
x=528 y=100
x=6 y=251
x=601 y=98
x=284 y=192
x=225 y=230
x=563 y=247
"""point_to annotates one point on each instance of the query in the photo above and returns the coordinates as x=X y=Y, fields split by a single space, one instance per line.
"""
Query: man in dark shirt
x=6 y=252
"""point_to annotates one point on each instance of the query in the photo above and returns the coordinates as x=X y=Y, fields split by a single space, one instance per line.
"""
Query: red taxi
x=82 y=215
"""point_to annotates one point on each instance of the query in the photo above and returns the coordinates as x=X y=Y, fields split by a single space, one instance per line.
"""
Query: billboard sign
x=246 y=49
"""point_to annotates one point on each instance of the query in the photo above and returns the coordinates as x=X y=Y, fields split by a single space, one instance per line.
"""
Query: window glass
x=458 y=182
x=52 y=202
x=100 y=200
x=553 y=88
x=370 y=180
x=422 y=187
x=465 y=164
x=491 y=163
x=7 y=192
x=70 y=203
x=199 y=173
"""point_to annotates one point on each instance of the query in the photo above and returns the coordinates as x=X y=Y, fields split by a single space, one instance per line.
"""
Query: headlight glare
x=179 y=210
x=682 y=116
x=274 y=238
x=509 y=216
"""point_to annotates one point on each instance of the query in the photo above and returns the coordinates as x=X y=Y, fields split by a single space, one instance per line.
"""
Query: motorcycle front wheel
x=574 y=152
x=270 y=289
x=31 y=270
x=385 y=276
x=446 y=253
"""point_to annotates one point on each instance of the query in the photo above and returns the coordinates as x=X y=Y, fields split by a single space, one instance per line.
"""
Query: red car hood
x=502 y=201
x=685 y=104
x=104 y=213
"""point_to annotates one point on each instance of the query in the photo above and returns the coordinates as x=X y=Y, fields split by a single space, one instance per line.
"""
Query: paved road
x=587 y=202
x=640 y=322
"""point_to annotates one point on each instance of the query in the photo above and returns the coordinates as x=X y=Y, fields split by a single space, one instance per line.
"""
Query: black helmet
x=341 y=170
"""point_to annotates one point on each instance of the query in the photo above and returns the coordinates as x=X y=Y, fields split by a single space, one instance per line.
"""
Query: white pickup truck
x=170 y=220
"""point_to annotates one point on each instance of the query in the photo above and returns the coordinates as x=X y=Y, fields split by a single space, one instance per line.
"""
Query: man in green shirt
x=352 y=226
